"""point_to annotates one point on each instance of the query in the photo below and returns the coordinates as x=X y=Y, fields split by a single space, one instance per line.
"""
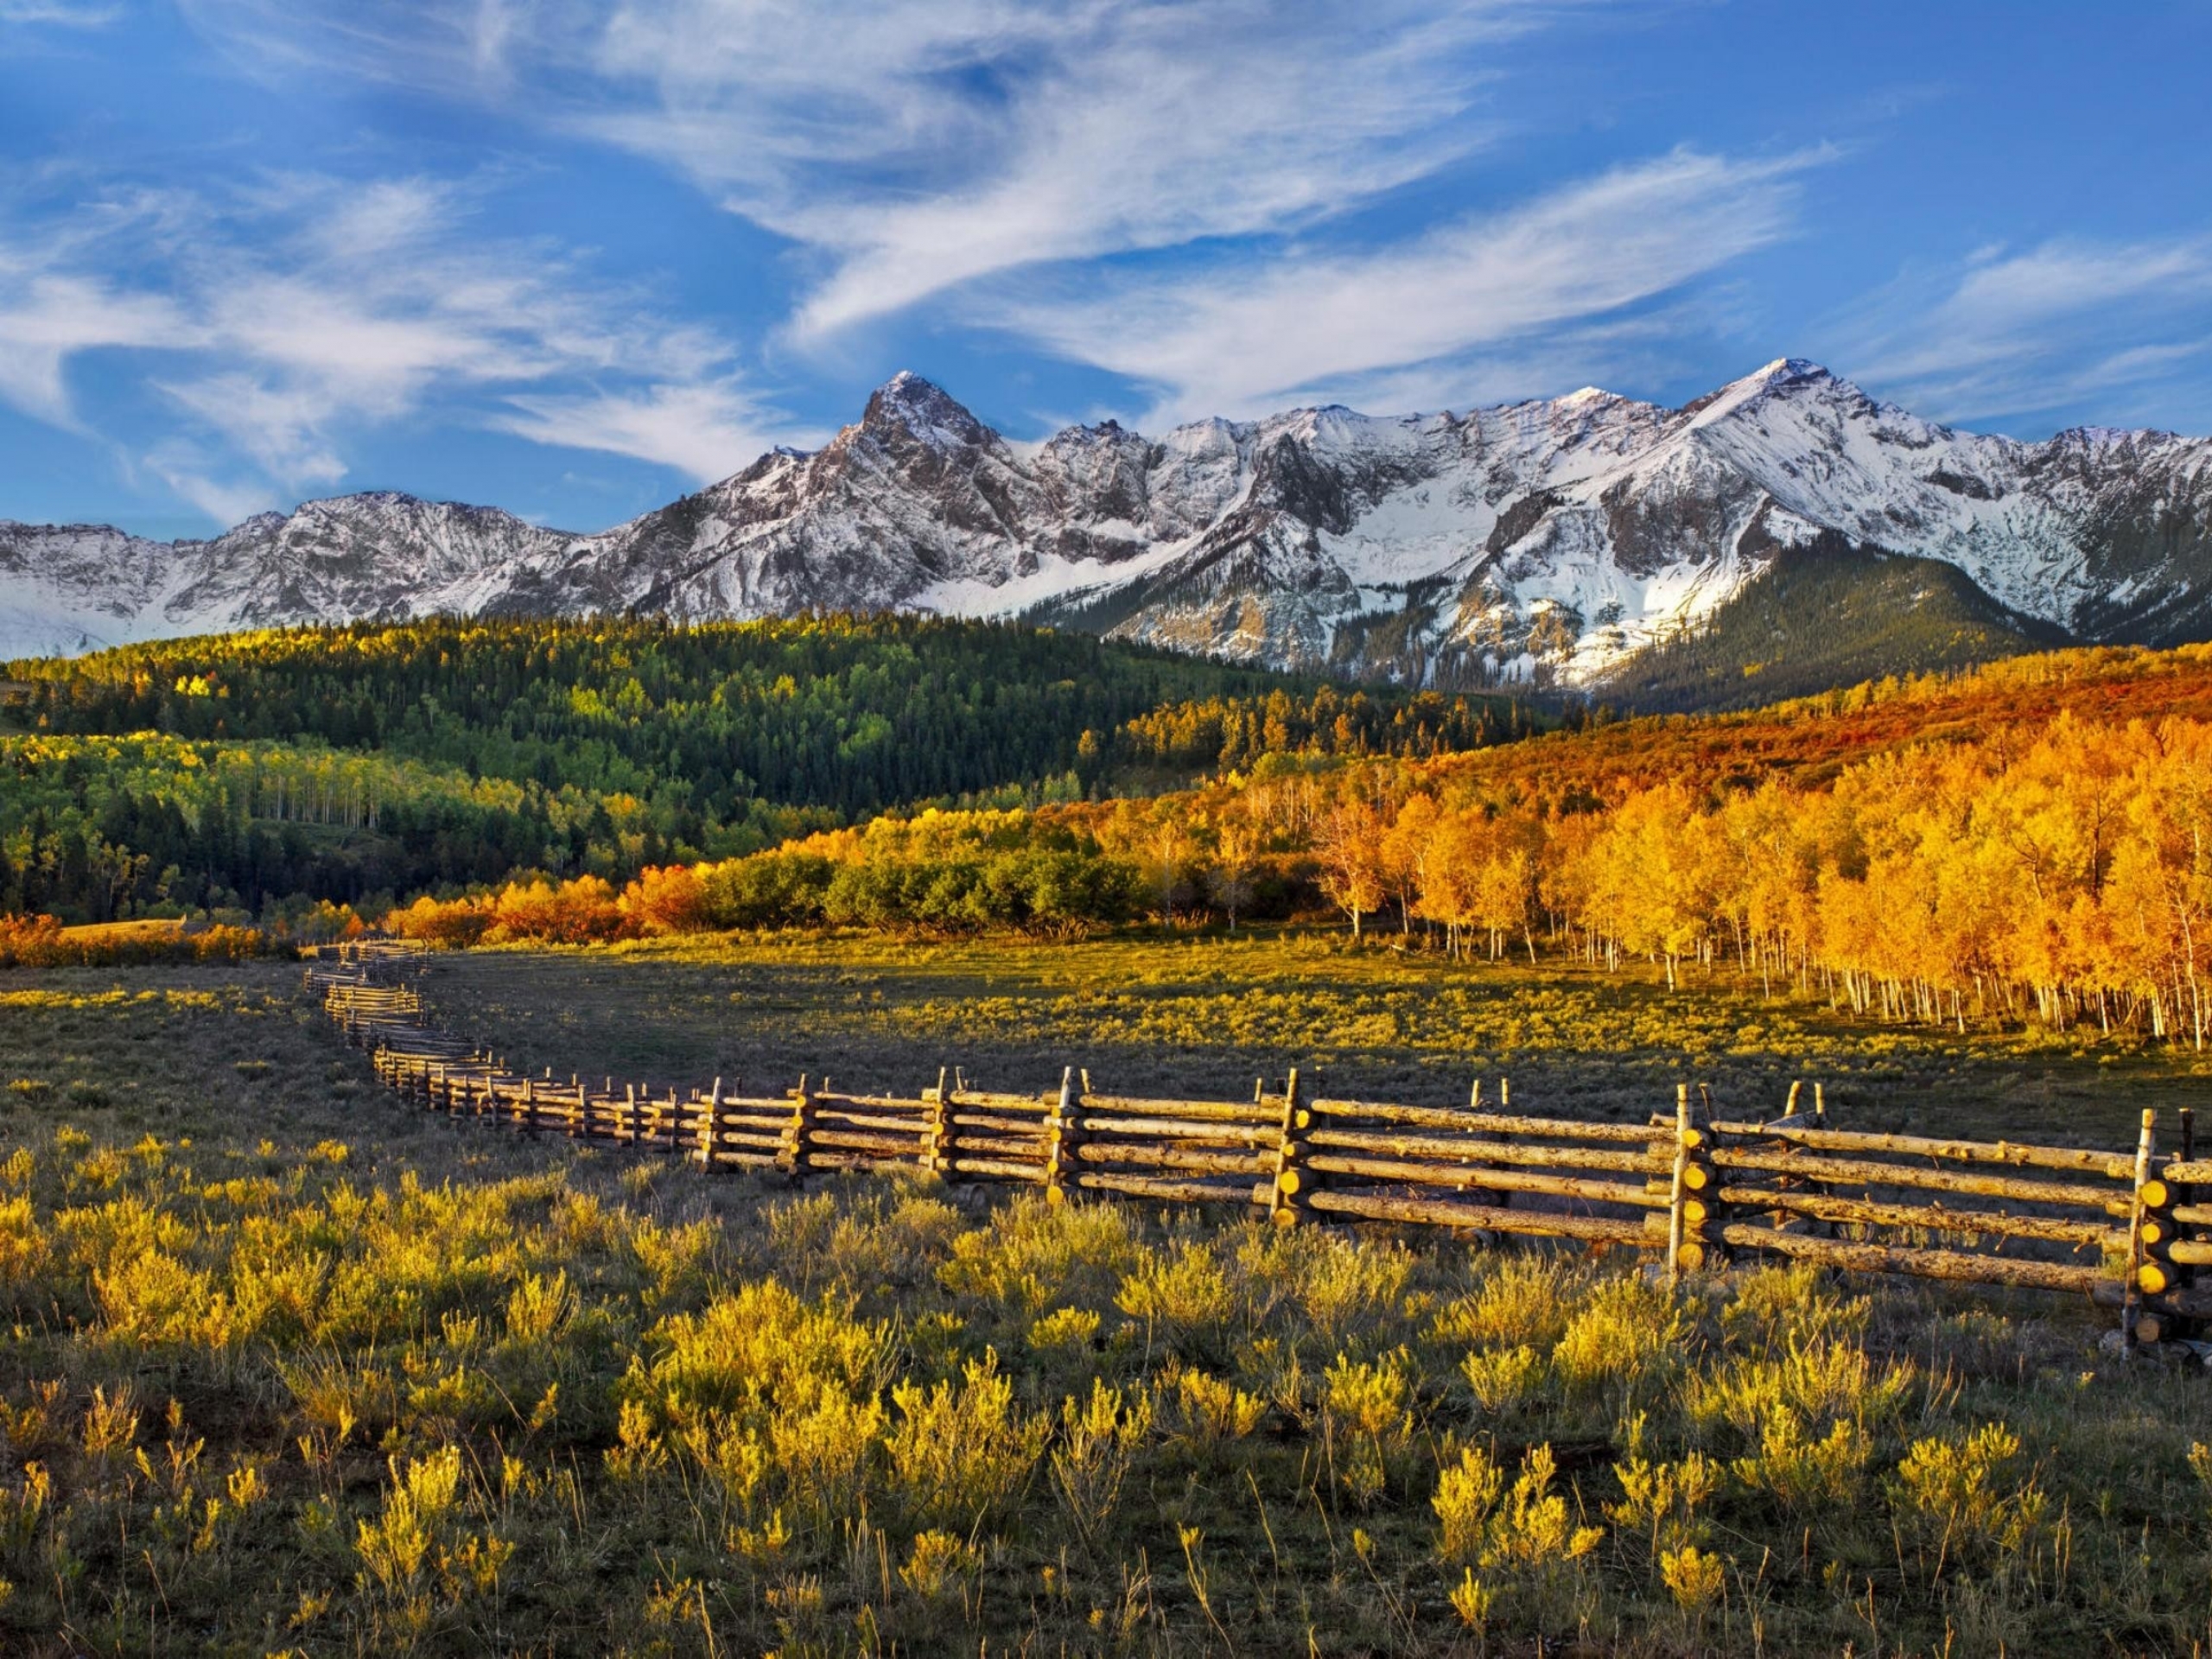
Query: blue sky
x=573 y=258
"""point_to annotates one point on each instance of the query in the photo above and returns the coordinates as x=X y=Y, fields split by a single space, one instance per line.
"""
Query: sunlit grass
x=1205 y=1014
x=292 y=1367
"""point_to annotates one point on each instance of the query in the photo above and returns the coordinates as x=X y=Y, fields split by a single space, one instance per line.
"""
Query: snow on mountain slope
x=1545 y=539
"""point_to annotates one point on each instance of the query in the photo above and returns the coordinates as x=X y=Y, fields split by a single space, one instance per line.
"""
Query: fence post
x=1703 y=1216
x=2143 y=1274
x=790 y=1157
x=706 y=1153
x=1287 y=1204
x=1676 y=1190
x=2159 y=1227
x=936 y=1137
x=1063 y=1135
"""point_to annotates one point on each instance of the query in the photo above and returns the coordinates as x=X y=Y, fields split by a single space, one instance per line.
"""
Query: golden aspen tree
x=1350 y=846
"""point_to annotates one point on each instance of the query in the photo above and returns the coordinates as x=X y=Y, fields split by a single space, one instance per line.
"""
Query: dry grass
x=293 y=1369
x=1204 y=1015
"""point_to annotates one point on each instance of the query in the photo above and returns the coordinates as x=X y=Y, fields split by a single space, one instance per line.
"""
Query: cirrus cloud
x=279 y=318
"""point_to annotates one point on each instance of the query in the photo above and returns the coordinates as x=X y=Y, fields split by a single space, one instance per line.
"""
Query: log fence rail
x=2120 y=1227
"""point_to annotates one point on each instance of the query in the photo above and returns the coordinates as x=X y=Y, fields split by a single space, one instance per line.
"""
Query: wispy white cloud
x=697 y=427
x=2019 y=332
x=49 y=312
x=913 y=146
x=279 y=319
x=190 y=473
x=1306 y=324
x=1161 y=188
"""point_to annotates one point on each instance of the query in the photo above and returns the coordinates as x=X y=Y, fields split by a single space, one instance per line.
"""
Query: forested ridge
x=2029 y=842
x=375 y=761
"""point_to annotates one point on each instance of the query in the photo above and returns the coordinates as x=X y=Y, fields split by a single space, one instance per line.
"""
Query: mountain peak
x=1790 y=368
x=922 y=409
x=1772 y=377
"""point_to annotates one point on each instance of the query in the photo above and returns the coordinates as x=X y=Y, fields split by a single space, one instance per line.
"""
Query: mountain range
x=1783 y=531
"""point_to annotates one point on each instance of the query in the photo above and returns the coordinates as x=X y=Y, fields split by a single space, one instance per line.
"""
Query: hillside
x=334 y=764
x=1824 y=616
x=1805 y=741
x=2027 y=843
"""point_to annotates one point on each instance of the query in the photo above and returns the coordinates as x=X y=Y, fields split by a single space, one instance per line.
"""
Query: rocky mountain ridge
x=1553 y=541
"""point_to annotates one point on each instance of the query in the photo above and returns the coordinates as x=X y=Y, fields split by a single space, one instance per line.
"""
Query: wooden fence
x=2120 y=1226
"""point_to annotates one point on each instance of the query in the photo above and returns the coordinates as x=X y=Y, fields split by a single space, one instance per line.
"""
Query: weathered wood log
x=726 y=1156
x=1867 y=1212
x=1003 y=1168
x=2154 y=1278
x=1183 y=1129
x=1875 y=1173
x=1962 y=1265
x=1471 y=1122
x=1092 y=1153
x=992 y=1124
x=1009 y=1146
x=872 y=1113
x=1287 y=1193
x=826 y=1158
x=1256 y=1114
x=769 y=1123
x=891 y=1122
x=904 y=1146
x=1154 y=1186
x=1504 y=1152
x=1449 y=1212
x=1064 y=1139
x=979 y=1100
x=1464 y=1178
x=2117 y=1166
x=2192 y=1302
x=798 y=1130
x=1678 y=1189
x=728 y=1137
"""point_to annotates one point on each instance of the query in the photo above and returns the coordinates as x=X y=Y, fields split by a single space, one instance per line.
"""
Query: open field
x=295 y=1367
x=1205 y=1014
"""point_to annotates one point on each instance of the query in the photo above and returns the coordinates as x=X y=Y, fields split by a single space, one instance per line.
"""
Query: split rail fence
x=2126 y=1228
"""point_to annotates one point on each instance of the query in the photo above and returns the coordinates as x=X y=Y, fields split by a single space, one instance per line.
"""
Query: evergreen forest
x=267 y=771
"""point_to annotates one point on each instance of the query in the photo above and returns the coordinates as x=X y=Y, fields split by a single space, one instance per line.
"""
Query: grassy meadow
x=1202 y=1014
x=293 y=1369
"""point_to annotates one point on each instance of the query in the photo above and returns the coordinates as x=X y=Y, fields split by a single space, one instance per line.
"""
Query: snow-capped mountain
x=1540 y=539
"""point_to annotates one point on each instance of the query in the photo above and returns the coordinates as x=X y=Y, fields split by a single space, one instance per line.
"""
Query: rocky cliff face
x=1549 y=540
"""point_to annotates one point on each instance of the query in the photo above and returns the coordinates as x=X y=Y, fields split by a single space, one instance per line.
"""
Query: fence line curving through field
x=2122 y=1227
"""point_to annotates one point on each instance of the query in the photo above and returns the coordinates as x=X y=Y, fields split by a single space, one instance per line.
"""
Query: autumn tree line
x=2062 y=876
